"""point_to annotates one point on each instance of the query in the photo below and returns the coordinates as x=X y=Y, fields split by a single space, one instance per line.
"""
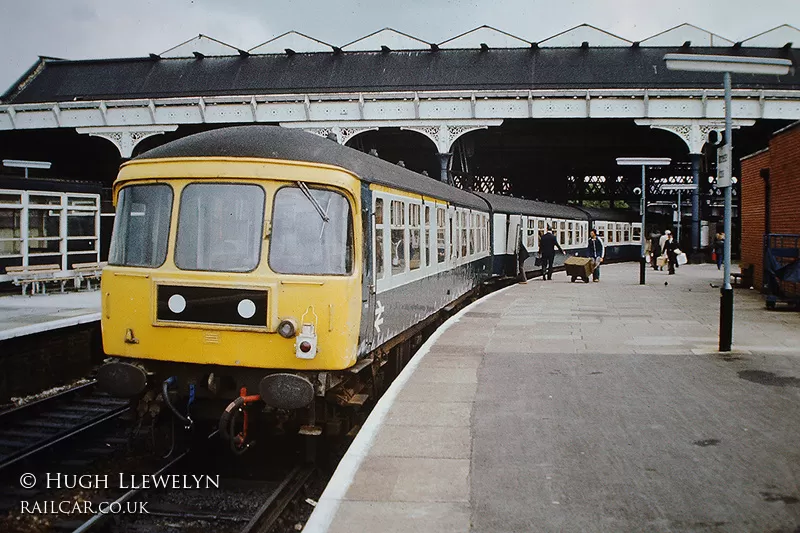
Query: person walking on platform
x=719 y=248
x=670 y=245
x=522 y=255
x=547 y=250
x=655 y=249
x=661 y=241
x=595 y=251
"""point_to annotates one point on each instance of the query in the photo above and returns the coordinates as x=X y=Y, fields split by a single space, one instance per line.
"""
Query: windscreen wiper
x=314 y=202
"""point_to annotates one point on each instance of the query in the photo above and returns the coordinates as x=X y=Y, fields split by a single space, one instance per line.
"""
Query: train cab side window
x=414 y=244
x=441 y=244
x=141 y=226
x=302 y=241
x=379 y=238
x=398 y=236
x=220 y=227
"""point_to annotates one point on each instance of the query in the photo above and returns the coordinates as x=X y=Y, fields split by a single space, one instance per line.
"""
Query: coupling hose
x=187 y=421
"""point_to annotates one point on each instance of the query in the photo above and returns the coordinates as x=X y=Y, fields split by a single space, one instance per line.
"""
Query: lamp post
x=644 y=162
x=727 y=65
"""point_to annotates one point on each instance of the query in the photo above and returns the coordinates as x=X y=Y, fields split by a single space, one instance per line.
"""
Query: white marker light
x=246 y=308
x=176 y=303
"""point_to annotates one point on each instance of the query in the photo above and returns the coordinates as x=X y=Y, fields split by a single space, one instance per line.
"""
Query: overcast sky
x=83 y=29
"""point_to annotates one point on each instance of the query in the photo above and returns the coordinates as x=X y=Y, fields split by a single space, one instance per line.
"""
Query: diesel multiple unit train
x=268 y=267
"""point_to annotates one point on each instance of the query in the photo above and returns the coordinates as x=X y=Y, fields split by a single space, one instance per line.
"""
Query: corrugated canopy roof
x=331 y=72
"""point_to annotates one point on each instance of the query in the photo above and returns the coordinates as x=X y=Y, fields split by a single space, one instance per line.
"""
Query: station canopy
x=389 y=60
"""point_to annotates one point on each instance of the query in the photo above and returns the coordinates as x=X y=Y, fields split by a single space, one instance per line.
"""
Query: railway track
x=37 y=426
x=241 y=503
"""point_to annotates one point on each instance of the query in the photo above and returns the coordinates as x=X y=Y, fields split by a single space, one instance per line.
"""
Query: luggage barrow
x=579 y=267
x=782 y=269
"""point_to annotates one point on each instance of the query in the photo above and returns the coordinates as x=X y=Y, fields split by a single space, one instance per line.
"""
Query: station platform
x=572 y=407
x=26 y=315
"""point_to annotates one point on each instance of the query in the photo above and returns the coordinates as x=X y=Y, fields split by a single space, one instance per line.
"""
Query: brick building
x=770 y=195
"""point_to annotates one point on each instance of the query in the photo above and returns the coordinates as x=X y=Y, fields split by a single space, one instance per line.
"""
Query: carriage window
x=570 y=233
x=302 y=241
x=141 y=226
x=464 y=229
x=398 y=234
x=637 y=233
x=485 y=234
x=626 y=233
x=531 y=240
x=472 y=231
x=452 y=220
x=379 y=238
x=414 y=245
x=562 y=232
x=619 y=232
x=441 y=245
x=426 y=243
x=219 y=227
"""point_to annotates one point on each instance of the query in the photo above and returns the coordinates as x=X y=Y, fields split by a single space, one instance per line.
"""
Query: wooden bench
x=37 y=277
x=87 y=272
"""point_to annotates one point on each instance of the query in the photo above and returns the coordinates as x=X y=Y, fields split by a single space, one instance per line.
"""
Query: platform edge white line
x=50 y=325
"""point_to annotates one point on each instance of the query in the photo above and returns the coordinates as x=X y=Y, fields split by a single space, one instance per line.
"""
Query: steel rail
x=269 y=512
x=39 y=409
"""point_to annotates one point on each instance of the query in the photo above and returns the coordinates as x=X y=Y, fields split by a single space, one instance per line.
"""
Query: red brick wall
x=783 y=160
x=752 y=212
x=785 y=176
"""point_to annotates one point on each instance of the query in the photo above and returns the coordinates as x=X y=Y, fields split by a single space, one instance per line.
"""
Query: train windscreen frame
x=141 y=226
x=312 y=232
x=220 y=227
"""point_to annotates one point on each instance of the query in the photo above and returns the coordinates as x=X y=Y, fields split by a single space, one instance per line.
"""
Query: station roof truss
x=617 y=184
x=390 y=78
x=292 y=42
x=686 y=35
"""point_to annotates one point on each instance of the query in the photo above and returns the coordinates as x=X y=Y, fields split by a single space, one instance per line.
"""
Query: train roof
x=274 y=142
x=510 y=204
x=612 y=215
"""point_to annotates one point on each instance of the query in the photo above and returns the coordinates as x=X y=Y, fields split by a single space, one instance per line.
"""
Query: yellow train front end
x=231 y=277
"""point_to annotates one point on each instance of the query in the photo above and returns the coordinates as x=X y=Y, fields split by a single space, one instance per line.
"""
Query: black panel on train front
x=212 y=305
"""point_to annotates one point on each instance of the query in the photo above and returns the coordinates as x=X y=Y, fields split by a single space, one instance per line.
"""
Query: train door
x=372 y=223
x=512 y=243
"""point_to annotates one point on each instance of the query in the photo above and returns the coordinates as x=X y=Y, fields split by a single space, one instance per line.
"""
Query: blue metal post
x=642 y=207
x=726 y=297
x=695 y=202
